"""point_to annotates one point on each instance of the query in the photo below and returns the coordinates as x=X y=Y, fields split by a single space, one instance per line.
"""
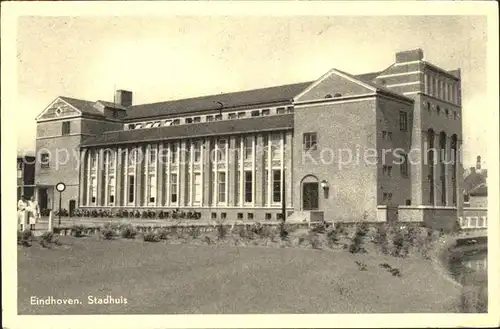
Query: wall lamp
x=324 y=184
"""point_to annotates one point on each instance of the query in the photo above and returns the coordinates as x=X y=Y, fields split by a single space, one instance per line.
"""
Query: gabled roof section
x=86 y=107
x=480 y=190
x=216 y=128
x=284 y=93
x=59 y=107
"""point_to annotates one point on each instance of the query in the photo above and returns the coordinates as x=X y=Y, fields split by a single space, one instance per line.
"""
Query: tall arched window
x=430 y=164
x=442 y=158
x=454 y=154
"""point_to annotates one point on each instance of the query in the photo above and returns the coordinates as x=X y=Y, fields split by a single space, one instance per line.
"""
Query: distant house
x=478 y=196
x=25 y=176
x=475 y=186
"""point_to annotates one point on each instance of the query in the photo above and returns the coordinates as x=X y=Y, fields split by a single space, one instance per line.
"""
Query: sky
x=172 y=57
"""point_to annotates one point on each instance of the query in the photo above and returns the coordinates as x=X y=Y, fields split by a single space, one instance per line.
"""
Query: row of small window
x=439 y=111
x=268 y=216
x=219 y=186
x=209 y=118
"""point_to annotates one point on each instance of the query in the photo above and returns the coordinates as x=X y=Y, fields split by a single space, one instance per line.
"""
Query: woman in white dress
x=22 y=206
x=34 y=212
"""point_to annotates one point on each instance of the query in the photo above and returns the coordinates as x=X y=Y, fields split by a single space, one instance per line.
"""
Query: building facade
x=344 y=147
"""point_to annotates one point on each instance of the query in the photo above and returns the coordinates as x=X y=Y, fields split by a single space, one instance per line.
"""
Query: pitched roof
x=368 y=77
x=82 y=105
x=267 y=123
x=229 y=100
x=480 y=190
x=473 y=180
x=377 y=86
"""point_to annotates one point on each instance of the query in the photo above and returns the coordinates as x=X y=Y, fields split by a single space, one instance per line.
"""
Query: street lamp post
x=60 y=187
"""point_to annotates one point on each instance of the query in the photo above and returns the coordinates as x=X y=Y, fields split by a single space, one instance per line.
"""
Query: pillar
x=288 y=169
x=207 y=172
x=99 y=178
x=82 y=182
x=437 y=171
x=231 y=179
x=259 y=171
x=160 y=175
x=119 y=168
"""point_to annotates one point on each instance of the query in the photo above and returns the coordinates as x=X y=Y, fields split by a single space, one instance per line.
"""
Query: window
x=152 y=156
x=152 y=188
x=164 y=155
x=210 y=118
x=176 y=122
x=328 y=96
x=289 y=109
x=389 y=135
x=197 y=187
x=237 y=189
x=248 y=186
x=276 y=185
x=384 y=134
x=250 y=215
x=167 y=123
x=156 y=124
x=438 y=110
x=173 y=153
x=248 y=147
x=429 y=108
x=131 y=188
x=387 y=170
x=265 y=186
x=214 y=215
x=447 y=113
x=223 y=215
x=266 y=112
x=403 y=121
x=276 y=146
x=173 y=188
x=93 y=190
x=408 y=202
x=240 y=215
x=138 y=126
x=255 y=113
x=111 y=190
x=197 y=151
x=310 y=141
x=131 y=126
x=222 y=187
x=241 y=115
x=337 y=95
x=197 y=119
x=66 y=128
x=280 y=110
x=44 y=160
x=221 y=152
x=404 y=166
x=231 y=116
x=148 y=125
x=268 y=216
x=188 y=120
x=218 y=117
x=454 y=115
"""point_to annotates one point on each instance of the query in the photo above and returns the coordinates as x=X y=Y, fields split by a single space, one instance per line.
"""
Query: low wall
x=437 y=218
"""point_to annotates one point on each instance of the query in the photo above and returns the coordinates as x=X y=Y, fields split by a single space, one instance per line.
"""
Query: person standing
x=22 y=206
x=34 y=212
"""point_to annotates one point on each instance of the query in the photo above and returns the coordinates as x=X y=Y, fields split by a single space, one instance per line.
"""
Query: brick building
x=229 y=155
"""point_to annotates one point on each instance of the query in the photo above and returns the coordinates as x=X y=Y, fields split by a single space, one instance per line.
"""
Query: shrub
x=163 y=234
x=108 y=232
x=284 y=232
x=128 y=232
x=151 y=237
x=222 y=231
x=194 y=232
x=24 y=238
x=77 y=230
x=47 y=239
x=319 y=228
x=316 y=242
x=357 y=241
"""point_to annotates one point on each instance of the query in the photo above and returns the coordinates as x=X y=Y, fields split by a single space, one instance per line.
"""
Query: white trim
x=328 y=74
x=52 y=103
x=398 y=74
x=407 y=63
x=61 y=136
x=403 y=84
x=319 y=102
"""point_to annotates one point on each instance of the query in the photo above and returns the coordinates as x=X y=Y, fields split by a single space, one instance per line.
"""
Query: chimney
x=409 y=55
x=123 y=98
x=478 y=163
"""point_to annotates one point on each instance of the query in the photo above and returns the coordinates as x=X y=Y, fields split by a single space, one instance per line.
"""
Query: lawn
x=163 y=278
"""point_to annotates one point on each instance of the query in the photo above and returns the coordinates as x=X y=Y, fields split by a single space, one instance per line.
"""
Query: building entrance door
x=310 y=194
x=43 y=198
